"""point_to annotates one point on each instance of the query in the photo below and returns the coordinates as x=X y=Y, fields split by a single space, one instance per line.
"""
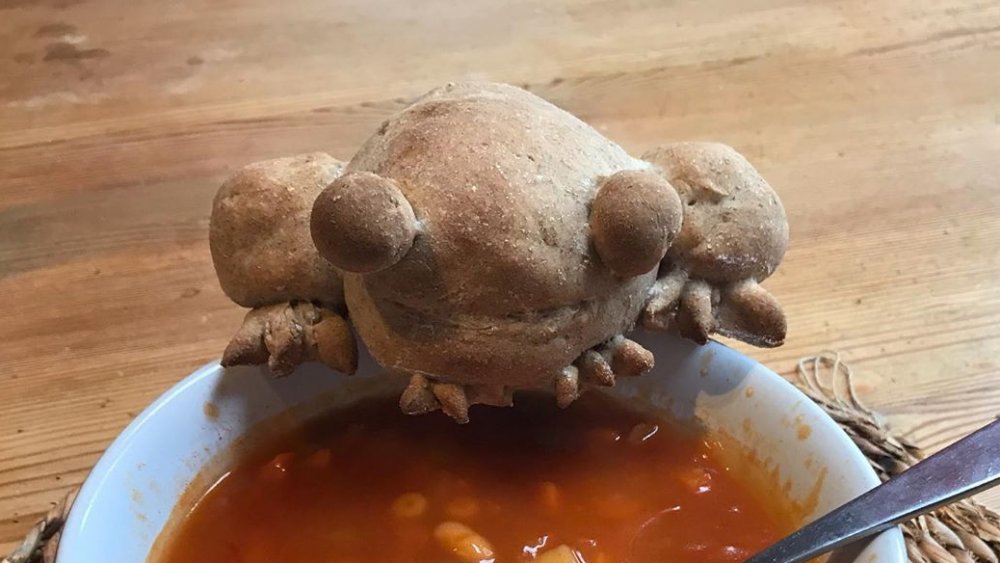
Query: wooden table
x=878 y=121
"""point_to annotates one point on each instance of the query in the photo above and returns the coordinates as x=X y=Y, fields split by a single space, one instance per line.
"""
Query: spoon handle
x=966 y=467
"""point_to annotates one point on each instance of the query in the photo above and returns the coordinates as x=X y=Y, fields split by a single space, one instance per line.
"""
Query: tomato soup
x=595 y=483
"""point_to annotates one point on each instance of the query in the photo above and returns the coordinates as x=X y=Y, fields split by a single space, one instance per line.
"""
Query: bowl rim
x=73 y=532
x=80 y=512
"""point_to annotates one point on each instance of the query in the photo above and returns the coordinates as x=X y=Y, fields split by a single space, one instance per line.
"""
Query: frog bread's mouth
x=363 y=224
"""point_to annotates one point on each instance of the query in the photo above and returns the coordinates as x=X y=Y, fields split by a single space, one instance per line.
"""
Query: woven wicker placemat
x=965 y=532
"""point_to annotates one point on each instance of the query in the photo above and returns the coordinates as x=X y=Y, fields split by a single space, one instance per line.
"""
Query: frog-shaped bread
x=488 y=241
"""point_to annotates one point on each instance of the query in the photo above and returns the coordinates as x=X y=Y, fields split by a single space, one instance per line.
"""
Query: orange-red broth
x=596 y=483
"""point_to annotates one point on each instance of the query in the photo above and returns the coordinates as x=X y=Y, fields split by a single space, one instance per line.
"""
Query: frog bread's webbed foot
x=424 y=395
x=287 y=334
x=265 y=260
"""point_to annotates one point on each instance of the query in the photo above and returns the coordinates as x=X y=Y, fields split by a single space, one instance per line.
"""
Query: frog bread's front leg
x=265 y=260
x=734 y=235
x=634 y=219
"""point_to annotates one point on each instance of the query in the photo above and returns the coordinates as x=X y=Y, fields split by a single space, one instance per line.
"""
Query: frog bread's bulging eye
x=362 y=223
x=634 y=218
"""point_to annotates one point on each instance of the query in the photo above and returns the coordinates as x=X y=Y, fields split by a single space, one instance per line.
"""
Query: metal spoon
x=963 y=469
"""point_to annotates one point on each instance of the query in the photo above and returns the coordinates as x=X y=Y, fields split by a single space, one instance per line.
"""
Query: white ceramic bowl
x=130 y=494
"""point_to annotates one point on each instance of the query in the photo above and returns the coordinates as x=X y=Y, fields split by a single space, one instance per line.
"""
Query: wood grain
x=878 y=121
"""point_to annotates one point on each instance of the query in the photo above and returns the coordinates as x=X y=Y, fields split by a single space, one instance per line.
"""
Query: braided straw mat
x=964 y=532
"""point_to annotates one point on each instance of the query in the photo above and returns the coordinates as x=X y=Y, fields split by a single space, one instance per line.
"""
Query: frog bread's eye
x=634 y=218
x=362 y=223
